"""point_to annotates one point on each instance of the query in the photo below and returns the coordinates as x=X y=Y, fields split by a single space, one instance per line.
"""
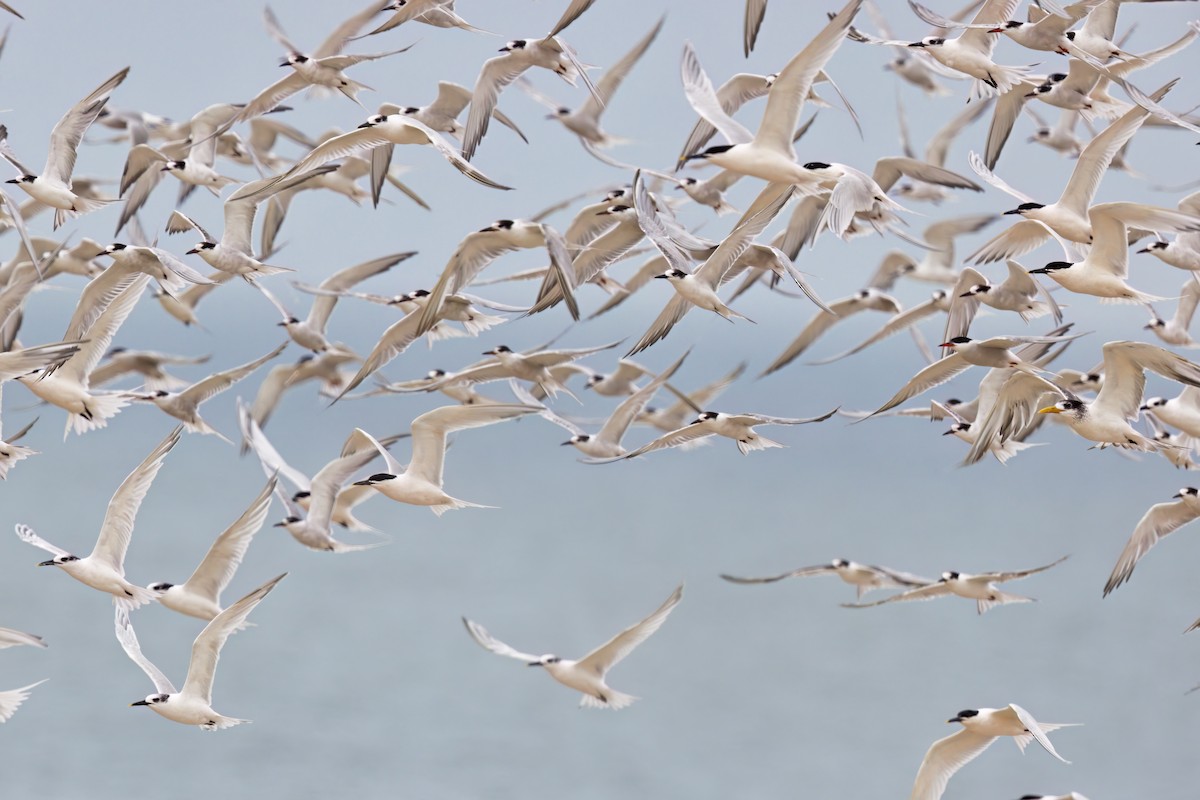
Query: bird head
x=958 y=427
x=1154 y=246
x=1187 y=491
x=580 y=438
x=966 y=714
x=151 y=700
x=715 y=150
x=498 y=225
x=115 y=247
x=1062 y=407
x=980 y=288
x=1011 y=25
x=1024 y=207
x=23 y=179
x=293 y=59
x=515 y=44
x=1153 y=403
x=203 y=246
x=955 y=342
x=929 y=41
x=1051 y=267
x=58 y=561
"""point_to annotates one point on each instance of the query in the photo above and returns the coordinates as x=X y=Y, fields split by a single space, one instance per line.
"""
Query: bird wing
x=495 y=74
x=330 y=479
x=12 y=638
x=704 y=101
x=342 y=280
x=1018 y=240
x=68 y=131
x=618 y=423
x=272 y=462
x=101 y=332
x=1125 y=378
x=609 y=654
x=802 y=572
x=899 y=322
x=939 y=146
x=1188 y=299
x=963 y=306
x=787 y=95
x=1001 y=577
x=179 y=222
x=890 y=169
x=347 y=30
x=1096 y=157
x=755 y=11
x=117 y=529
x=607 y=86
x=1013 y=409
x=206 y=650
x=981 y=169
x=451 y=154
x=697 y=429
x=224 y=557
x=815 y=328
x=129 y=643
x=26 y=534
x=271 y=97
x=218 y=382
x=241 y=206
x=429 y=433
x=1160 y=520
x=489 y=642
x=935 y=374
x=944 y=758
x=732 y=94
x=472 y=255
x=44 y=356
x=394 y=341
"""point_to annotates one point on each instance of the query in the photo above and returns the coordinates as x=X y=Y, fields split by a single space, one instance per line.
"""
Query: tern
x=739 y=427
x=420 y=483
x=966 y=352
x=11 y=453
x=53 y=186
x=1181 y=412
x=148 y=364
x=1068 y=216
x=104 y=568
x=1103 y=272
x=606 y=443
x=200 y=595
x=868 y=299
x=1160 y=520
x=309 y=333
x=185 y=405
x=193 y=704
x=171 y=274
x=675 y=415
x=981 y=727
x=68 y=387
x=981 y=588
x=863 y=577
x=769 y=154
x=518 y=56
x=588 y=673
x=233 y=253
x=1184 y=251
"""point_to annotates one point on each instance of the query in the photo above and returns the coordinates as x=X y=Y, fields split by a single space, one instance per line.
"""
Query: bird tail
x=83 y=205
x=1025 y=738
x=479 y=323
x=723 y=208
x=1000 y=599
x=266 y=269
x=352 y=88
x=756 y=443
x=11 y=700
x=100 y=408
x=221 y=723
x=15 y=454
x=454 y=505
x=440 y=331
x=1002 y=80
x=343 y=547
x=1010 y=448
x=613 y=700
x=136 y=596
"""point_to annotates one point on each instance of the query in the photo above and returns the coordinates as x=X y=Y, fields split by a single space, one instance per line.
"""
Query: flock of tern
x=53 y=217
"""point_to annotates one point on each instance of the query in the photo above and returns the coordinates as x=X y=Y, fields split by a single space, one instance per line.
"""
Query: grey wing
x=117 y=529
x=929 y=592
x=571 y=14
x=815 y=328
x=755 y=10
x=224 y=557
x=607 y=86
x=761 y=419
x=933 y=375
x=69 y=130
x=605 y=657
x=452 y=155
x=803 y=572
x=472 y=255
x=347 y=30
x=897 y=323
x=1160 y=520
x=12 y=638
x=675 y=310
x=206 y=650
x=491 y=643
x=889 y=170
x=944 y=758
x=1000 y=577
x=270 y=97
x=213 y=385
x=395 y=340
x=275 y=31
x=903 y=578
x=342 y=280
x=625 y=413
x=129 y=643
x=179 y=222
x=494 y=76
x=688 y=433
